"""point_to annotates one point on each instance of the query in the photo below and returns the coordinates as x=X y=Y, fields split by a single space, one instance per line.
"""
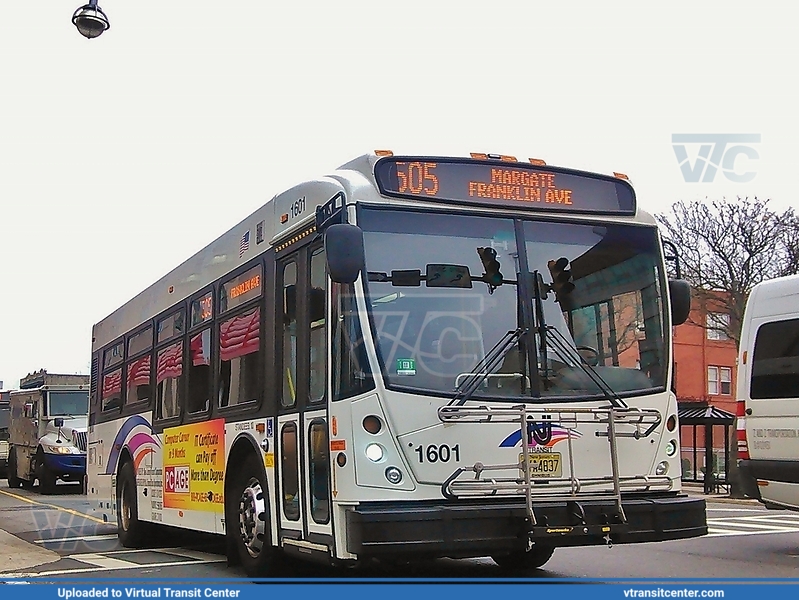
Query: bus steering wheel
x=593 y=355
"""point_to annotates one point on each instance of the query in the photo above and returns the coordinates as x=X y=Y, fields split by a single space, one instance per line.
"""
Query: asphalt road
x=56 y=537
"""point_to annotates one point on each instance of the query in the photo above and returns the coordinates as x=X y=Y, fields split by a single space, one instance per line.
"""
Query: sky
x=122 y=156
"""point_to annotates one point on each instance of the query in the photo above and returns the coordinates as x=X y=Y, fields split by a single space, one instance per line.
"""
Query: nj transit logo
x=730 y=152
x=540 y=435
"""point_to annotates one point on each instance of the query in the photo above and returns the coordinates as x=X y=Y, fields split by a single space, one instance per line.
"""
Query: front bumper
x=469 y=529
x=66 y=464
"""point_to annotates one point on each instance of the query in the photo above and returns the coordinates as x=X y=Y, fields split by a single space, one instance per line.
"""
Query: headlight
x=662 y=468
x=58 y=449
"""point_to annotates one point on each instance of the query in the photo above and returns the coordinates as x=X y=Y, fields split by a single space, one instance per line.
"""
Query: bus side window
x=239 y=355
x=138 y=380
x=199 y=373
x=168 y=380
x=111 y=391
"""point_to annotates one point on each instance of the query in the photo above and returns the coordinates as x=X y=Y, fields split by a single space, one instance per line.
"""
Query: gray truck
x=47 y=430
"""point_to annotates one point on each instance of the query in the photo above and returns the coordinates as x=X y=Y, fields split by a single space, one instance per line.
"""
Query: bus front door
x=303 y=442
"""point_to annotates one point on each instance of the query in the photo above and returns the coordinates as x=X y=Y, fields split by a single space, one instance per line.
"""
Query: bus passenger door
x=303 y=441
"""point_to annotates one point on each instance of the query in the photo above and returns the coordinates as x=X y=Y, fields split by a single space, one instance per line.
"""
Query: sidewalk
x=698 y=489
x=19 y=554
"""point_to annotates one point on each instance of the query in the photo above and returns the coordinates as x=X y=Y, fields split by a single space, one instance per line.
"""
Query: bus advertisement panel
x=194 y=462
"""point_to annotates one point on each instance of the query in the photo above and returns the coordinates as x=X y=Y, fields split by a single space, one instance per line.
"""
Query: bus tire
x=534 y=558
x=130 y=530
x=47 y=479
x=13 y=481
x=247 y=519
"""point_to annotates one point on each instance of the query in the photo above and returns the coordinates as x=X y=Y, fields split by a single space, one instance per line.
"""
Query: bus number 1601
x=438 y=453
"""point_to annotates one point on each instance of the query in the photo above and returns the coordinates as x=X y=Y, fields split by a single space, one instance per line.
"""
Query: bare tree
x=727 y=247
x=791 y=243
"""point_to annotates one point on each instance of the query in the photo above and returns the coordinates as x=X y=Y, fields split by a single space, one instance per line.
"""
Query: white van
x=768 y=394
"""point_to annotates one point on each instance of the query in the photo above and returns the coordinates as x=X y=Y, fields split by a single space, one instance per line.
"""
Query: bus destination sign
x=500 y=183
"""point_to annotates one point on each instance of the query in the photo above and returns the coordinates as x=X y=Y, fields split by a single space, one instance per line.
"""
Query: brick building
x=704 y=376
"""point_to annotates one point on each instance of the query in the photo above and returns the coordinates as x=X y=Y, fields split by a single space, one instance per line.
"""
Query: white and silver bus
x=412 y=357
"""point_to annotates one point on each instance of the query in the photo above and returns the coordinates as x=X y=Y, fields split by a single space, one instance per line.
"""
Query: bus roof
x=279 y=218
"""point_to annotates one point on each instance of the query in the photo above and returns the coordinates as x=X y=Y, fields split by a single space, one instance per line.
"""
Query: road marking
x=715 y=532
x=753 y=525
x=750 y=525
x=107 y=563
x=18 y=497
x=80 y=538
x=758 y=510
x=195 y=554
x=182 y=563
x=54 y=506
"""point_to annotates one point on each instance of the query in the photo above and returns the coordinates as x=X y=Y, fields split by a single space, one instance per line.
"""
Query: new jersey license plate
x=543 y=464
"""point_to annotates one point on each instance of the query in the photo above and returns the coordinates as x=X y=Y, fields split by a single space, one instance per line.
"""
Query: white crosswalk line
x=104 y=562
x=80 y=538
x=753 y=524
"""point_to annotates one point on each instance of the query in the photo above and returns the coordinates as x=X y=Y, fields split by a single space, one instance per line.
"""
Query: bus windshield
x=63 y=404
x=444 y=289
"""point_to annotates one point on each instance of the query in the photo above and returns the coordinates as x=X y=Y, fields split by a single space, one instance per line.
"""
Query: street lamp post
x=90 y=20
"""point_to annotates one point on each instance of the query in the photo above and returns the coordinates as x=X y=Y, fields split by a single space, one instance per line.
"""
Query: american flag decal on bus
x=245 y=243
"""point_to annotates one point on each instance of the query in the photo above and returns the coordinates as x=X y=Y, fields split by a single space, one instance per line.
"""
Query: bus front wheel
x=131 y=531
x=534 y=558
x=248 y=520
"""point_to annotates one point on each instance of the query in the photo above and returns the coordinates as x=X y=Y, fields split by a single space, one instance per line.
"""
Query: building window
x=726 y=380
x=719 y=381
x=717 y=326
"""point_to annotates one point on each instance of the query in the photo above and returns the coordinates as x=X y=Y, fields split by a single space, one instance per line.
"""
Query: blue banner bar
x=477 y=589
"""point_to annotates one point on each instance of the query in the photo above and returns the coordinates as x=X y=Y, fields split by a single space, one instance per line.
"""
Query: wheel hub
x=252 y=517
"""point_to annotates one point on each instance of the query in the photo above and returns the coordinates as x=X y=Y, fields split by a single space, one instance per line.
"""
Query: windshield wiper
x=558 y=342
x=486 y=366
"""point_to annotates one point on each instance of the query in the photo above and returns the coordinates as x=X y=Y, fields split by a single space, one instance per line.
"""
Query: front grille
x=79 y=437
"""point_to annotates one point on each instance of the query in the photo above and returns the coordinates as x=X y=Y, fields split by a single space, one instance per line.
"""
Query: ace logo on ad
x=176 y=479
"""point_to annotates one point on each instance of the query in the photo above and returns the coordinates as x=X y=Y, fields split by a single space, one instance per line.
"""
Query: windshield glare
x=431 y=338
x=63 y=404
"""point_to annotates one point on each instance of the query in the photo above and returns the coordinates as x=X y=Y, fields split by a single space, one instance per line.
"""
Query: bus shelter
x=703 y=419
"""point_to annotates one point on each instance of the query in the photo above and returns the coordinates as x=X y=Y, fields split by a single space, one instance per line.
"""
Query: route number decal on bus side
x=434 y=453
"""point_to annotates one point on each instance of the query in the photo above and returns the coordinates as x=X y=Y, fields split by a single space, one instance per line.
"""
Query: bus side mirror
x=58 y=422
x=344 y=252
x=680 y=293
